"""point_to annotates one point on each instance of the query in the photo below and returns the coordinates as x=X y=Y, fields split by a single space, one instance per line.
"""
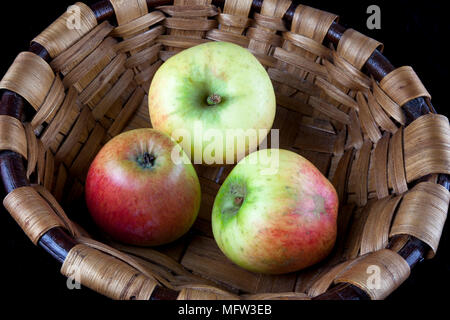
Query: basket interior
x=329 y=111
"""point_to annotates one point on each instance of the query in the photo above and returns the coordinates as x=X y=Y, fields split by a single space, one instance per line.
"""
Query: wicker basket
x=369 y=127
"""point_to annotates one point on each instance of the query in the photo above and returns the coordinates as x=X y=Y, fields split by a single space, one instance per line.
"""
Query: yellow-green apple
x=137 y=194
x=211 y=97
x=275 y=223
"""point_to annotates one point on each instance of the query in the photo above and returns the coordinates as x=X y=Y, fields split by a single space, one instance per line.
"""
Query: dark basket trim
x=58 y=243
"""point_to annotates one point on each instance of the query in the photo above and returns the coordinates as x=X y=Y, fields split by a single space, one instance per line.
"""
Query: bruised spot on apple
x=276 y=224
x=137 y=194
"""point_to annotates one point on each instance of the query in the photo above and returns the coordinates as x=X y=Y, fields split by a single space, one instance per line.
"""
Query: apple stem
x=238 y=201
x=214 y=100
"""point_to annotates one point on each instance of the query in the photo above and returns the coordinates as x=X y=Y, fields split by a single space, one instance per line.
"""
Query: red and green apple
x=137 y=194
x=277 y=222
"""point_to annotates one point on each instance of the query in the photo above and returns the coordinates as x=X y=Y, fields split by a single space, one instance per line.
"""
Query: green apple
x=279 y=222
x=216 y=100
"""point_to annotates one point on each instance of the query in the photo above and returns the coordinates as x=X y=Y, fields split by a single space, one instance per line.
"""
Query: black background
x=414 y=33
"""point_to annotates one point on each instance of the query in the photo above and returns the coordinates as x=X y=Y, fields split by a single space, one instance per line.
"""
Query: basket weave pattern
x=353 y=127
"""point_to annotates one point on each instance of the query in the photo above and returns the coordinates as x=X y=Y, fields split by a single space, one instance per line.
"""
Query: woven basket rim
x=59 y=243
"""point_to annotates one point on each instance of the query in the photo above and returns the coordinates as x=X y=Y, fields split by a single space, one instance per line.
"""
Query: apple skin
x=180 y=89
x=286 y=222
x=137 y=203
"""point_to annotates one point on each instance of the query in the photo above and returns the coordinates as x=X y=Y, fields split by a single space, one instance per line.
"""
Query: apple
x=275 y=223
x=137 y=194
x=210 y=95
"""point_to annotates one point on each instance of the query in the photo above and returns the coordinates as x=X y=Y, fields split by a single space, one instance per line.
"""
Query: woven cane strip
x=116 y=91
x=60 y=183
x=204 y=293
x=77 y=21
x=51 y=104
x=361 y=81
x=135 y=26
x=220 y=35
x=270 y=22
x=177 y=39
x=140 y=40
x=115 y=68
x=341 y=76
x=300 y=62
x=322 y=284
x=259 y=35
x=40 y=162
x=13 y=136
x=49 y=172
x=191 y=11
x=75 y=136
x=423 y=213
x=296 y=296
x=107 y=275
x=391 y=107
x=82 y=74
x=71 y=57
x=380 y=115
x=235 y=14
x=31 y=212
x=403 y=85
x=129 y=10
x=29 y=76
x=358 y=180
x=378 y=274
x=427 y=147
x=56 y=207
x=312 y=23
x=149 y=55
x=376 y=231
x=187 y=24
x=396 y=164
x=53 y=129
x=228 y=20
x=357 y=48
x=367 y=121
x=32 y=149
x=380 y=163
x=307 y=44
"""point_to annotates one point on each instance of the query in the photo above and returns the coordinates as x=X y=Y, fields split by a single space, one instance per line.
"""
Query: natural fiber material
x=376 y=230
x=127 y=11
x=106 y=275
x=13 y=136
x=378 y=273
x=351 y=127
x=31 y=77
x=204 y=293
x=31 y=212
x=357 y=48
x=396 y=164
x=403 y=85
x=423 y=213
x=432 y=133
x=52 y=102
x=67 y=29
